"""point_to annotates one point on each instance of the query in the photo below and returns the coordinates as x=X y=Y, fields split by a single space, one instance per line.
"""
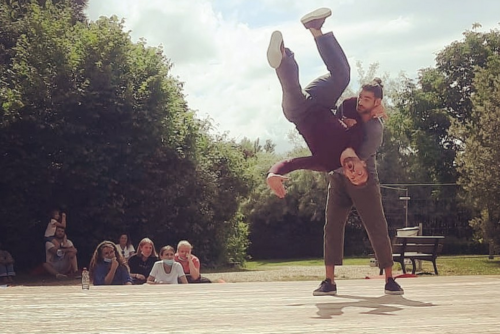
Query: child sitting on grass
x=57 y=219
x=167 y=271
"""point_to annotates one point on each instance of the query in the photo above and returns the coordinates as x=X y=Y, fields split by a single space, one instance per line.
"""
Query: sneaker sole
x=321 y=13
x=332 y=293
x=394 y=293
x=274 y=55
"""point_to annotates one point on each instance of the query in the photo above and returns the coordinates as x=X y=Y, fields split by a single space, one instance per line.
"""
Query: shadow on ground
x=384 y=305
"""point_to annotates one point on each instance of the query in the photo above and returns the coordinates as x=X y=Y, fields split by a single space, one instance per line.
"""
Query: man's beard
x=364 y=112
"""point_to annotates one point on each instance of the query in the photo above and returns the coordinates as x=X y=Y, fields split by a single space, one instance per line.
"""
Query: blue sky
x=218 y=47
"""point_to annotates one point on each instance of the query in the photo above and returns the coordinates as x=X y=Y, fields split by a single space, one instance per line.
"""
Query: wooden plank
x=421 y=239
x=430 y=305
x=412 y=248
x=413 y=255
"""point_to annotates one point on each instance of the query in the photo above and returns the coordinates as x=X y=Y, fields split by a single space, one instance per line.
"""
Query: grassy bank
x=311 y=269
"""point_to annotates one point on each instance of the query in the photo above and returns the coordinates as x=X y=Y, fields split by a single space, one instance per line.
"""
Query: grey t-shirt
x=374 y=135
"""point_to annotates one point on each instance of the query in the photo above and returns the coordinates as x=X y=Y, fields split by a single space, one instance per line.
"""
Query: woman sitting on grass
x=189 y=262
x=108 y=266
x=142 y=262
x=125 y=246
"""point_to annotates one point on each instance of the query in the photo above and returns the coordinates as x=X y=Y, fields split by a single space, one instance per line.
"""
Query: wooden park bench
x=424 y=248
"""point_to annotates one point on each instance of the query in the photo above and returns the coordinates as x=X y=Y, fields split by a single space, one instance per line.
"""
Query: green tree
x=96 y=123
x=480 y=161
x=418 y=149
x=426 y=111
x=457 y=65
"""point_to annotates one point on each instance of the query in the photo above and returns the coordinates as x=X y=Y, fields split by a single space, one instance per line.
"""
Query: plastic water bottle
x=85 y=279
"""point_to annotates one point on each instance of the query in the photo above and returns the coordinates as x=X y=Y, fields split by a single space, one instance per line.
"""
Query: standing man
x=310 y=111
x=61 y=259
x=367 y=199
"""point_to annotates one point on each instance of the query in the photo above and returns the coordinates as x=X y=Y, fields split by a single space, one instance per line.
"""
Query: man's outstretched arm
x=275 y=177
x=289 y=165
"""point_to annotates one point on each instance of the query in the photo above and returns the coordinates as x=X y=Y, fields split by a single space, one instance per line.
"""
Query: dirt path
x=294 y=273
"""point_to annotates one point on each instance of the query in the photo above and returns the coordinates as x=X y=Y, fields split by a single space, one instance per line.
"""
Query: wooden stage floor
x=467 y=304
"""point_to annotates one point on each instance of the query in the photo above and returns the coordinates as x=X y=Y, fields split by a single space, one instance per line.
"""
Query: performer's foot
x=393 y=288
x=275 y=49
x=326 y=288
x=315 y=19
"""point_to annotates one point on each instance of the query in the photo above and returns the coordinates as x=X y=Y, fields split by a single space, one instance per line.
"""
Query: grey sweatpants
x=342 y=195
x=324 y=91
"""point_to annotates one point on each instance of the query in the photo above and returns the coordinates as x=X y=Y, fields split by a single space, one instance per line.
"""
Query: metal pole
x=406 y=201
x=405 y=198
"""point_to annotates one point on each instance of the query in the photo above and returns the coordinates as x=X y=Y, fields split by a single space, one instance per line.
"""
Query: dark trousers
x=342 y=195
x=324 y=91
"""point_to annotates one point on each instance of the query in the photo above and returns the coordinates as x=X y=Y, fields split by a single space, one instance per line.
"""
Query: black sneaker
x=326 y=288
x=393 y=288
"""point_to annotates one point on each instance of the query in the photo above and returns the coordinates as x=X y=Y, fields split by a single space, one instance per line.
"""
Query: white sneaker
x=316 y=18
x=274 y=51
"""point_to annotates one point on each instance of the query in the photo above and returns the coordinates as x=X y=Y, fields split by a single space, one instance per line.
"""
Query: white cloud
x=218 y=47
x=401 y=25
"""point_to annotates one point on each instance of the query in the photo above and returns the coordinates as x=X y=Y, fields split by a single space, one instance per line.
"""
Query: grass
x=465 y=265
x=447 y=265
x=272 y=264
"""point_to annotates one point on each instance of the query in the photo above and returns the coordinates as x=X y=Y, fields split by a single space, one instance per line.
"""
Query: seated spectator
x=167 y=271
x=143 y=261
x=125 y=246
x=60 y=260
x=6 y=266
x=189 y=262
x=57 y=219
x=108 y=266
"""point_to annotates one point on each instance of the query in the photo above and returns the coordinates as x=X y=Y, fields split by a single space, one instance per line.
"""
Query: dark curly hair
x=376 y=87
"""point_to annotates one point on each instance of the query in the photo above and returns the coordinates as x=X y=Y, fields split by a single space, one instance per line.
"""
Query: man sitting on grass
x=61 y=261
